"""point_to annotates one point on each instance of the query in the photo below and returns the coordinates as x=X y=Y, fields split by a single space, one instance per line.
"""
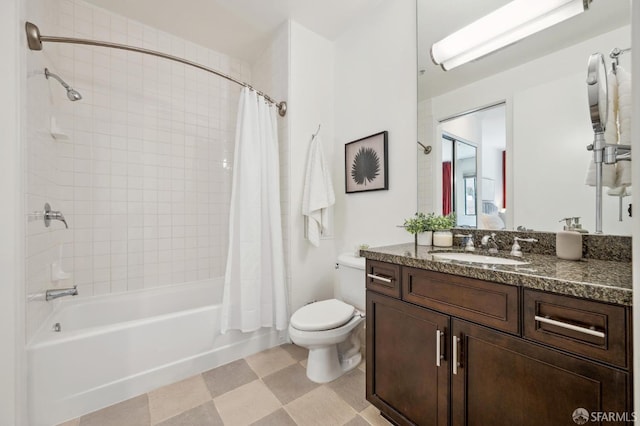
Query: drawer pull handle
x=570 y=326
x=439 y=356
x=380 y=278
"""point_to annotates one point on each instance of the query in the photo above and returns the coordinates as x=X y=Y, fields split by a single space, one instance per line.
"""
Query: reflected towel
x=623 y=175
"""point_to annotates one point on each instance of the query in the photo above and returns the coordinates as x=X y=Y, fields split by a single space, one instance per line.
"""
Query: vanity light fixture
x=502 y=27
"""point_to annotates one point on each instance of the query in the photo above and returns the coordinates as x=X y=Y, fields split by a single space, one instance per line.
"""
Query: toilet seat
x=323 y=315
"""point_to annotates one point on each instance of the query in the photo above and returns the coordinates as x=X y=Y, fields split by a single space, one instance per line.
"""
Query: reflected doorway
x=459 y=172
x=473 y=167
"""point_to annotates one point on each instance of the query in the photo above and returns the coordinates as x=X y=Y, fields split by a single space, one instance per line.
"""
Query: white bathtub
x=111 y=348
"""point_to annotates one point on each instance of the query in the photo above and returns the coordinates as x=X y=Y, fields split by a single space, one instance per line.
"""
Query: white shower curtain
x=254 y=283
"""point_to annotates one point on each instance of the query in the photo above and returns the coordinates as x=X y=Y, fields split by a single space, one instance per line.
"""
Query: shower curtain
x=254 y=284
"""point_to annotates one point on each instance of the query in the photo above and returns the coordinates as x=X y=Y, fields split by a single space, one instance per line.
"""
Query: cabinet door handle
x=570 y=326
x=454 y=354
x=439 y=356
x=380 y=278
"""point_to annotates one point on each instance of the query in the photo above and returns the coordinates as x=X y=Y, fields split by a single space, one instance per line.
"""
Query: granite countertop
x=601 y=280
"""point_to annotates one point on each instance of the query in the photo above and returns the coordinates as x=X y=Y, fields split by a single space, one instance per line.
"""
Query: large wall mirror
x=521 y=116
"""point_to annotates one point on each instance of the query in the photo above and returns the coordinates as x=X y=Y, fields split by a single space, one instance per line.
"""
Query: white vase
x=425 y=238
x=442 y=238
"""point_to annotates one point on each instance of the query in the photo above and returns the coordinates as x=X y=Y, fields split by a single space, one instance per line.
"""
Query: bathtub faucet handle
x=50 y=215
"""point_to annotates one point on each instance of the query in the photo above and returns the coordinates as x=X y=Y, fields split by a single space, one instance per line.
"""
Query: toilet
x=329 y=328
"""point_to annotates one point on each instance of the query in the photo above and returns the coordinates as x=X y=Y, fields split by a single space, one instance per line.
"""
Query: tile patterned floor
x=266 y=389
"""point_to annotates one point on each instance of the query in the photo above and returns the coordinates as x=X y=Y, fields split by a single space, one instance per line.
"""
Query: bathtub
x=114 y=347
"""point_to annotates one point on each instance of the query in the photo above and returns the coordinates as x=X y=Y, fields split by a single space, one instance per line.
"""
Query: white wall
x=43 y=179
x=375 y=91
x=493 y=144
x=556 y=184
x=542 y=79
x=311 y=101
x=12 y=376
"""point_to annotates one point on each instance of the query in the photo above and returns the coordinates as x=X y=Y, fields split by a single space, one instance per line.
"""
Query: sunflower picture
x=366 y=164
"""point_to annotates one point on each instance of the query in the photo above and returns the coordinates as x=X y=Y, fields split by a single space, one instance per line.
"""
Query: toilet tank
x=350 y=280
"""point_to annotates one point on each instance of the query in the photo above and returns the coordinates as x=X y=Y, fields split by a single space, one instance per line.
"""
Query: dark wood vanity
x=445 y=349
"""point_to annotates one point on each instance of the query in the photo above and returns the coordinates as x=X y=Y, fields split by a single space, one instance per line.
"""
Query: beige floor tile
x=363 y=365
x=297 y=352
x=177 y=398
x=270 y=361
x=372 y=415
x=228 y=377
x=246 y=404
x=203 y=415
x=351 y=388
x=277 y=418
x=357 y=421
x=74 y=422
x=132 y=412
x=289 y=383
x=320 y=407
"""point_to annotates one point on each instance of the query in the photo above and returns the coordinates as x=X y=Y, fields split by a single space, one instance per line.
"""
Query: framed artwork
x=365 y=164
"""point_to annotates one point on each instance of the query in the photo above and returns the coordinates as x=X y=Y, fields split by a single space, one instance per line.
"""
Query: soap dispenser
x=569 y=240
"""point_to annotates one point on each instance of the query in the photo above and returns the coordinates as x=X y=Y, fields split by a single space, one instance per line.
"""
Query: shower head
x=72 y=94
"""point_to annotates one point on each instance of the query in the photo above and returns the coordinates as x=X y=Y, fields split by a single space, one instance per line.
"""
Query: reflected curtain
x=254 y=283
x=446 y=188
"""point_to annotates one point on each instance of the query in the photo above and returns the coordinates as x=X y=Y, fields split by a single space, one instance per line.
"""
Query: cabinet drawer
x=593 y=329
x=383 y=278
x=491 y=304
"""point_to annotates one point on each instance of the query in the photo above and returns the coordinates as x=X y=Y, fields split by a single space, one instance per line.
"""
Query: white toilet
x=329 y=328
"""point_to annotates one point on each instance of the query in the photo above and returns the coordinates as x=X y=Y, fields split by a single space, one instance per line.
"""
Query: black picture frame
x=366 y=164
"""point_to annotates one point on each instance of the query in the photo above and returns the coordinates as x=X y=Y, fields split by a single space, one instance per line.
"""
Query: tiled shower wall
x=425 y=161
x=144 y=178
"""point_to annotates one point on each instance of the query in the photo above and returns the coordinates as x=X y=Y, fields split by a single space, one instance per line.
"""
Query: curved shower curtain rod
x=35 y=40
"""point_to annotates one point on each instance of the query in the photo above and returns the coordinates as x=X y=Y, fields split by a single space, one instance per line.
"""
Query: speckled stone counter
x=602 y=280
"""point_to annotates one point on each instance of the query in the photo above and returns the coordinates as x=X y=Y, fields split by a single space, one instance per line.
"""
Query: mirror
x=597 y=91
x=541 y=84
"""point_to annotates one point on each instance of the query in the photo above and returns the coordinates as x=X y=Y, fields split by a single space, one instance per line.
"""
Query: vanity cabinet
x=405 y=344
x=504 y=380
x=449 y=350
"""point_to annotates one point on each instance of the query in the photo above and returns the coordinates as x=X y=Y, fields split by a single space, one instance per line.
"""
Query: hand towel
x=610 y=136
x=318 y=192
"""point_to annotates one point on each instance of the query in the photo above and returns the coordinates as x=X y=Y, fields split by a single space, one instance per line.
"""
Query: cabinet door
x=405 y=344
x=502 y=380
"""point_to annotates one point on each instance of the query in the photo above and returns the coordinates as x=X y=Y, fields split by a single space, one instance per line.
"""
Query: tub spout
x=61 y=292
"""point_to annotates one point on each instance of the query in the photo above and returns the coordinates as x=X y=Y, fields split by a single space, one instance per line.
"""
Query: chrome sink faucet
x=516 y=250
x=489 y=241
x=61 y=292
x=467 y=241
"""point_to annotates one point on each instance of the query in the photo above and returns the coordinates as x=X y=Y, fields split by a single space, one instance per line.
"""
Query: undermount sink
x=477 y=258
